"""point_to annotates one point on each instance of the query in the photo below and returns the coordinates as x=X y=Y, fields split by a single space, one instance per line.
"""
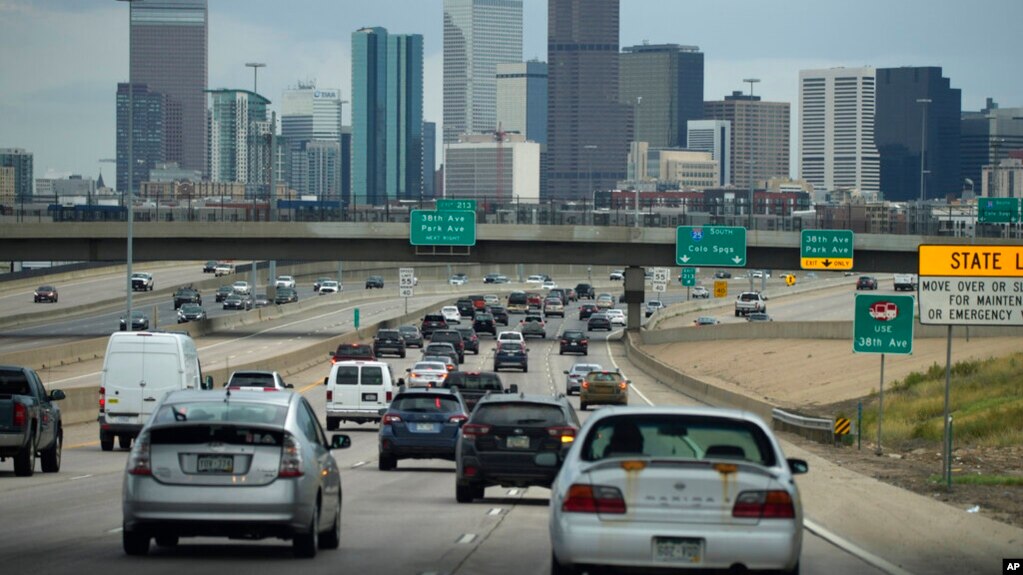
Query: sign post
x=826 y=249
x=883 y=324
x=711 y=246
x=968 y=285
x=406 y=283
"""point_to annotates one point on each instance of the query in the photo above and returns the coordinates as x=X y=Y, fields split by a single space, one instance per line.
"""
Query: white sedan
x=700 y=292
x=241 y=287
x=616 y=316
x=534 y=279
x=549 y=284
x=285 y=282
x=685 y=487
x=451 y=314
x=329 y=286
x=427 y=374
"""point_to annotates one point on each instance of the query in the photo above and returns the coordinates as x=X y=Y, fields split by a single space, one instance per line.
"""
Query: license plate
x=118 y=419
x=424 y=427
x=215 y=464
x=518 y=442
x=678 y=550
x=369 y=397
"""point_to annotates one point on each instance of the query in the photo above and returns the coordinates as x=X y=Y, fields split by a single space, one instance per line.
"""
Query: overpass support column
x=634 y=295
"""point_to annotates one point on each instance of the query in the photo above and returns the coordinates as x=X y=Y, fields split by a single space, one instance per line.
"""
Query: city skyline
x=57 y=99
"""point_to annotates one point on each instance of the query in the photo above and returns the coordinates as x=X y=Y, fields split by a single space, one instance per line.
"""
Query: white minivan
x=138 y=369
x=358 y=390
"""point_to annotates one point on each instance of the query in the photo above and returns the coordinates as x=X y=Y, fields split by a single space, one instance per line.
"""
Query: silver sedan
x=674 y=487
x=223 y=464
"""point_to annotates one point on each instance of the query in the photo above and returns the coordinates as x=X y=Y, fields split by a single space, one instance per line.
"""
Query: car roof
x=219 y=395
x=446 y=391
x=704 y=411
x=522 y=398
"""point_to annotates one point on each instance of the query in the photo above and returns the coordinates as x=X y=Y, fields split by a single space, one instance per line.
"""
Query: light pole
x=255 y=70
x=749 y=135
x=923 y=154
x=589 y=170
x=255 y=85
x=130 y=204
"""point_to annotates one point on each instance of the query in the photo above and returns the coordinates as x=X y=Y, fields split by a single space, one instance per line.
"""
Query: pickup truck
x=473 y=385
x=187 y=295
x=905 y=282
x=750 y=302
x=142 y=281
x=30 y=423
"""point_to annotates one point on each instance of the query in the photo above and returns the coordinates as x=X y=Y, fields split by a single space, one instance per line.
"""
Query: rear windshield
x=678 y=436
x=511 y=347
x=517 y=298
x=519 y=413
x=352 y=351
x=484 y=381
x=425 y=403
x=13 y=383
x=749 y=297
x=231 y=434
x=252 y=380
x=222 y=411
x=349 y=375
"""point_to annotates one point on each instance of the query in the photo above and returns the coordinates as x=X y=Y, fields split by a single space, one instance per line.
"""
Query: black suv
x=389 y=341
x=413 y=337
x=574 y=341
x=431 y=323
x=484 y=322
x=375 y=282
x=453 y=337
x=223 y=292
x=470 y=339
x=353 y=352
x=866 y=282
x=473 y=385
x=187 y=295
x=465 y=307
x=584 y=291
x=500 y=314
x=503 y=437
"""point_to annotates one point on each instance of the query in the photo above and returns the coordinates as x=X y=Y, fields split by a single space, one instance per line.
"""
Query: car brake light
x=330 y=395
x=764 y=505
x=584 y=498
x=390 y=418
x=139 y=461
x=622 y=385
x=457 y=418
x=20 y=414
x=474 y=430
x=584 y=341
x=389 y=394
x=102 y=399
x=291 y=458
x=566 y=433
x=585 y=384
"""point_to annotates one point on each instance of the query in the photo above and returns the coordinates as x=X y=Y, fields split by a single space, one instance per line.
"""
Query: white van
x=358 y=390
x=138 y=369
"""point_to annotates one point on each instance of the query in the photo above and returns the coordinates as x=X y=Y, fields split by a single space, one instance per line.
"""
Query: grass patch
x=986 y=404
x=980 y=479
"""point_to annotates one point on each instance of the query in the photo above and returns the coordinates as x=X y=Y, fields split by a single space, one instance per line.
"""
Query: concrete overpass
x=496 y=243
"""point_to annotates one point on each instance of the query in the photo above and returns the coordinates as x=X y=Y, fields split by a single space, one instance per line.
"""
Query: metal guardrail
x=816 y=423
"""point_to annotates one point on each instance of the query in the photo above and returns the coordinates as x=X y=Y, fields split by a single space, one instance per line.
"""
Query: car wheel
x=333 y=423
x=124 y=441
x=387 y=462
x=134 y=543
x=166 y=540
x=403 y=355
x=332 y=539
x=304 y=544
x=583 y=406
x=525 y=369
x=106 y=442
x=51 y=456
x=496 y=368
x=559 y=569
x=561 y=352
x=25 y=460
x=467 y=493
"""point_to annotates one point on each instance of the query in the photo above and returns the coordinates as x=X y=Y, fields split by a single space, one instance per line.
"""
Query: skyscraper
x=588 y=130
x=899 y=128
x=987 y=137
x=148 y=145
x=237 y=120
x=760 y=128
x=664 y=83
x=478 y=35
x=429 y=159
x=308 y=115
x=836 y=129
x=21 y=161
x=522 y=99
x=714 y=136
x=387 y=116
x=169 y=45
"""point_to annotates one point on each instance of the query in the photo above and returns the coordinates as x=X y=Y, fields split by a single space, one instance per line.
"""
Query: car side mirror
x=340 y=441
x=408 y=370
x=401 y=382
x=325 y=380
x=798 y=466
x=330 y=354
x=513 y=388
x=57 y=395
x=288 y=386
x=207 y=383
x=565 y=372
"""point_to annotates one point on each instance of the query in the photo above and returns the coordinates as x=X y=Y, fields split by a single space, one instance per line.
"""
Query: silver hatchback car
x=675 y=487
x=233 y=464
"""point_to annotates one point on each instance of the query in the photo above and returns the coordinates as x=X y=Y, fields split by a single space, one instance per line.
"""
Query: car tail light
x=390 y=394
x=20 y=414
x=291 y=458
x=474 y=430
x=102 y=399
x=584 y=498
x=457 y=418
x=139 y=462
x=764 y=505
x=585 y=384
x=330 y=395
x=622 y=385
x=566 y=433
x=390 y=418
x=470 y=471
x=584 y=341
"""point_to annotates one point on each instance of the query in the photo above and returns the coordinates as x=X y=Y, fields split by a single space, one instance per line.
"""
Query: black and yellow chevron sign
x=842 y=426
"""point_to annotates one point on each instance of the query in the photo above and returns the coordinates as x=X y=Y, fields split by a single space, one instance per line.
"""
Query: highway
x=404 y=521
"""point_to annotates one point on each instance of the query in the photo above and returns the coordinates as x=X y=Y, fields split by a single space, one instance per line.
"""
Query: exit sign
x=826 y=249
x=429 y=228
x=452 y=205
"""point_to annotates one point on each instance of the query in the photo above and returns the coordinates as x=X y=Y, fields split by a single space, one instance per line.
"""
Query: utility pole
x=923 y=154
x=129 y=203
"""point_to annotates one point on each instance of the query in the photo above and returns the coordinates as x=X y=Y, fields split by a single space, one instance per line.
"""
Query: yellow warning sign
x=826 y=263
x=790 y=279
x=970 y=260
x=720 y=288
x=842 y=426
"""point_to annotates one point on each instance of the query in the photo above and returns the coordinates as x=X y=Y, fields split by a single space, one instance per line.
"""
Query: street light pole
x=749 y=135
x=255 y=85
x=129 y=203
x=923 y=154
x=589 y=170
x=255 y=70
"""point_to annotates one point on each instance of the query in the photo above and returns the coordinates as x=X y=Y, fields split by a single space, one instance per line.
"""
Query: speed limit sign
x=659 y=287
x=404 y=292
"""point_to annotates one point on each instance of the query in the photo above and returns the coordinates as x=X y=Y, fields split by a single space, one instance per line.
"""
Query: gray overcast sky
x=60 y=60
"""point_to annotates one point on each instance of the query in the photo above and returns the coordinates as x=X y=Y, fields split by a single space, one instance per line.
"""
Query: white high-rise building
x=522 y=99
x=836 y=129
x=714 y=136
x=479 y=167
x=309 y=113
x=478 y=35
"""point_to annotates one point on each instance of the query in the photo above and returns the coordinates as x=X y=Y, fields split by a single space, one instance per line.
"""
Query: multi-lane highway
x=403 y=521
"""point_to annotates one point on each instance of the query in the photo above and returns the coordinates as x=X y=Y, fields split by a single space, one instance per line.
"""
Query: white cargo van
x=138 y=369
x=358 y=390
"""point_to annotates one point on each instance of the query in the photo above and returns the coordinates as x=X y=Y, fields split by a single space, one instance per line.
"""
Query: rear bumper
x=353 y=413
x=106 y=428
x=506 y=474
x=603 y=398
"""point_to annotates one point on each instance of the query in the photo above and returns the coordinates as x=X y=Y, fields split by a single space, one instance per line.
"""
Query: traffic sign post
x=688 y=277
x=406 y=284
x=453 y=205
x=660 y=280
x=712 y=246
x=429 y=228
x=826 y=249
x=998 y=210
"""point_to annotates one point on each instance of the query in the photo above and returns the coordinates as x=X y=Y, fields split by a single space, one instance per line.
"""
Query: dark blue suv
x=421 y=423
x=512 y=354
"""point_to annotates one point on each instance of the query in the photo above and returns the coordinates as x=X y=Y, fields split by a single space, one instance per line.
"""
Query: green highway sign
x=688 y=277
x=451 y=205
x=997 y=210
x=711 y=246
x=826 y=249
x=883 y=324
x=429 y=228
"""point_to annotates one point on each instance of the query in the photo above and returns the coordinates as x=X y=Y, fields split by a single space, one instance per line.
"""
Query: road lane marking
x=466 y=538
x=81 y=477
x=513 y=492
x=81 y=445
x=615 y=363
x=853 y=549
x=310 y=386
x=359 y=464
x=495 y=511
x=116 y=530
